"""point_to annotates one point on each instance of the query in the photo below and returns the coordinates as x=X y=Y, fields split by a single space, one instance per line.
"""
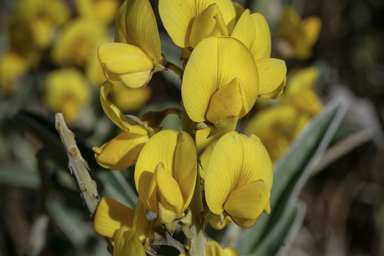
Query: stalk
x=197 y=236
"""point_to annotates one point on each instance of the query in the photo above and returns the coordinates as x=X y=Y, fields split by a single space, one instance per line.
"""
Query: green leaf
x=20 y=176
x=292 y=171
x=285 y=233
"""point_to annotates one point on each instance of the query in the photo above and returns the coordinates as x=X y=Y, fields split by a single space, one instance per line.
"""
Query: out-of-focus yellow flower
x=189 y=22
x=165 y=174
x=220 y=83
x=253 y=31
x=136 y=55
x=103 y=11
x=78 y=42
x=236 y=183
x=128 y=228
x=12 y=67
x=301 y=92
x=37 y=20
x=300 y=34
x=127 y=99
x=123 y=150
x=66 y=91
x=214 y=249
x=279 y=125
x=275 y=127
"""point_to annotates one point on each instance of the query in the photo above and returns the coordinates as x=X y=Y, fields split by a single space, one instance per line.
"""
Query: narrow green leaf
x=292 y=171
x=20 y=176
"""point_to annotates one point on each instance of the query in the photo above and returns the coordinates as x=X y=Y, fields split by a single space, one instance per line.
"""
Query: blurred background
x=48 y=64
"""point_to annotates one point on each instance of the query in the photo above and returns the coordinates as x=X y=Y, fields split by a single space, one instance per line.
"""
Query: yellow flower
x=78 y=42
x=123 y=150
x=165 y=174
x=38 y=19
x=66 y=91
x=188 y=22
x=129 y=100
x=103 y=11
x=136 y=55
x=301 y=92
x=127 y=228
x=12 y=67
x=253 y=31
x=237 y=183
x=300 y=35
x=214 y=249
x=275 y=127
x=220 y=83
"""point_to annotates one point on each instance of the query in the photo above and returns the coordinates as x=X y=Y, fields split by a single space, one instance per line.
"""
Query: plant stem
x=174 y=68
x=78 y=166
x=199 y=238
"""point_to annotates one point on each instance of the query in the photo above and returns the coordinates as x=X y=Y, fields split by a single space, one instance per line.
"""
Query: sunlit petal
x=127 y=243
x=272 y=74
x=110 y=216
x=120 y=152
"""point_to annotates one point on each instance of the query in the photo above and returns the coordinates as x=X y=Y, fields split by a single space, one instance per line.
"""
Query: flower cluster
x=226 y=67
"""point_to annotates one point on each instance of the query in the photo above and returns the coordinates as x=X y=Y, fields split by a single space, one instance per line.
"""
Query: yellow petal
x=244 y=223
x=123 y=58
x=169 y=196
x=127 y=243
x=136 y=25
x=115 y=114
x=299 y=81
x=120 y=152
x=253 y=31
x=216 y=224
x=308 y=102
x=226 y=105
x=178 y=16
x=130 y=100
x=272 y=73
x=248 y=201
x=140 y=222
x=160 y=148
x=214 y=63
x=204 y=159
x=233 y=164
x=110 y=216
x=185 y=167
x=136 y=80
x=210 y=22
x=214 y=249
x=311 y=26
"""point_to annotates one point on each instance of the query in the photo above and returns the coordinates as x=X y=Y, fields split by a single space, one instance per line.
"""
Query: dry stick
x=79 y=167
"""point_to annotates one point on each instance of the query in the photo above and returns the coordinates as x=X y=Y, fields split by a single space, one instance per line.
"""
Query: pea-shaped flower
x=128 y=228
x=239 y=179
x=220 y=83
x=136 y=55
x=165 y=174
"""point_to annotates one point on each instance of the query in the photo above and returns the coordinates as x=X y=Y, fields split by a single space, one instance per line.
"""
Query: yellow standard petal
x=178 y=16
x=136 y=25
x=215 y=63
x=128 y=243
x=110 y=216
x=120 y=152
x=231 y=168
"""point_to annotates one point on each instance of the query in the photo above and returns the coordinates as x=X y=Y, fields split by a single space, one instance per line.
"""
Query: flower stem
x=174 y=68
x=198 y=240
